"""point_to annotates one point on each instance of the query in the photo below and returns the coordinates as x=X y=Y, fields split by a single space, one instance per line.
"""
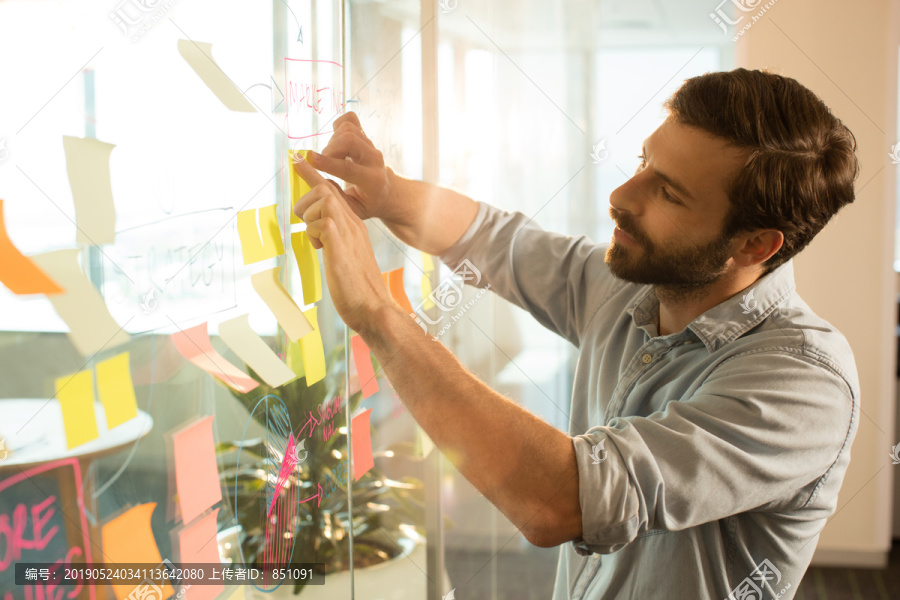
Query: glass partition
x=175 y=383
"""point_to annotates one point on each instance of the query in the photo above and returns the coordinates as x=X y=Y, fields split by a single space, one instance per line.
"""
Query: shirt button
x=646 y=358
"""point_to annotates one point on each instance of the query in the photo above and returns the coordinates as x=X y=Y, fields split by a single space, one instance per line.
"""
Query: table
x=34 y=435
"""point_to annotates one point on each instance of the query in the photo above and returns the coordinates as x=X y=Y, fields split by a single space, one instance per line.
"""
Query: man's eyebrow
x=672 y=183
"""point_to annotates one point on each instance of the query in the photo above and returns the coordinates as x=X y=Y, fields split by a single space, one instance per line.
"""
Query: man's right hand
x=369 y=191
x=423 y=215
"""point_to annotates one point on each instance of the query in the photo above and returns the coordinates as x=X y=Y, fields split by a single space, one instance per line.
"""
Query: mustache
x=617 y=219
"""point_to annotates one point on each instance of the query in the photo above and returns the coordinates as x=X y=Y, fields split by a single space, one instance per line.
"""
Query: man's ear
x=758 y=247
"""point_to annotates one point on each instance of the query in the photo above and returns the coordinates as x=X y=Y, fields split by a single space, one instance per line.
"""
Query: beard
x=678 y=273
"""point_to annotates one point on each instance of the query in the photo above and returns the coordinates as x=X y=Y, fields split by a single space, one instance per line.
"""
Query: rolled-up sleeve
x=560 y=280
x=763 y=427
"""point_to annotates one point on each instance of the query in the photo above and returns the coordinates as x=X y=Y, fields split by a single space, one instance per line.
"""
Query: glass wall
x=175 y=384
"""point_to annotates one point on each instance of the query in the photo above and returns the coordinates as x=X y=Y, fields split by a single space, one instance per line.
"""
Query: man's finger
x=350 y=142
x=311 y=197
x=306 y=171
x=353 y=173
x=347 y=116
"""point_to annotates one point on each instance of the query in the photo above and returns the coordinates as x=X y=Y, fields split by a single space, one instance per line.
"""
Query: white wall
x=847 y=54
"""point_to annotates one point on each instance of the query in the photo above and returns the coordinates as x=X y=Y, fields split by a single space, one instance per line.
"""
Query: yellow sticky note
x=116 y=390
x=199 y=56
x=294 y=359
x=286 y=311
x=425 y=442
x=426 y=291
x=308 y=263
x=87 y=163
x=76 y=398
x=298 y=186
x=91 y=327
x=312 y=350
x=263 y=243
x=240 y=593
x=427 y=262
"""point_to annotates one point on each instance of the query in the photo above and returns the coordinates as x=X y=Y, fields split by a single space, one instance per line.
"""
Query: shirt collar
x=729 y=319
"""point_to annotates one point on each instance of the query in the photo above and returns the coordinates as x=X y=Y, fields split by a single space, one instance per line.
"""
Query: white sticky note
x=87 y=162
x=199 y=56
x=91 y=327
x=286 y=311
x=250 y=348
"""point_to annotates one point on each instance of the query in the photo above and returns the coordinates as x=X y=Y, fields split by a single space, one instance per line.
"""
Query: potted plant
x=387 y=516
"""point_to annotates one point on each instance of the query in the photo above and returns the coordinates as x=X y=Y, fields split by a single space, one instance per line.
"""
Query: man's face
x=673 y=208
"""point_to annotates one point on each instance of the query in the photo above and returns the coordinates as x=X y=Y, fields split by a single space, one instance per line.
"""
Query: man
x=712 y=410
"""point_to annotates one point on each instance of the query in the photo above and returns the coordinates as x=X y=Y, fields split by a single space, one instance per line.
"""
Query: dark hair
x=801 y=161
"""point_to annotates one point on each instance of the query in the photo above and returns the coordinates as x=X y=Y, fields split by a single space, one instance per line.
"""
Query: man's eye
x=666 y=195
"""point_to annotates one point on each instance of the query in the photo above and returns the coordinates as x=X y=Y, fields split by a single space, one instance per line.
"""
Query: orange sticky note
x=197 y=544
x=196 y=473
x=76 y=398
x=18 y=272
x=194 y=344
x=129 y=539
x=116 y=390
x=312 y=350
x=394 y=281
x=298 y=186
x=362 y=444
x=361 y=357
x=261 y=243
x=308 y=263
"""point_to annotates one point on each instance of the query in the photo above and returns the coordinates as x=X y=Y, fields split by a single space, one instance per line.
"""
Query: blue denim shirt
x=708 y=459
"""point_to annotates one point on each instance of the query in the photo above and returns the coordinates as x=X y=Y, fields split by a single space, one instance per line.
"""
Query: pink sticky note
x=197 y=544
x=362 y=445
x=364 y=370
x=196 y=473
x=194 y=344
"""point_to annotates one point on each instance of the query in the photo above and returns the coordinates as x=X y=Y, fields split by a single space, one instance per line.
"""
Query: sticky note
x=362 y=444
x=87 y=162
x=199 y=56
x=394 y=281
x=18 y=272
x=128 y=538
x=427 y=290
x=75 y=393
x=259 y=243
x=427 y=262
x=363 y=361
x=91 y=327
x=194 y=344
x=424 y=441
x=196 y=474
x=239 y=593
x=197 y=544
x=298 y=185
x=286 y=311
x=308 y=263
x=250 y=348
x=312 y=350
x=116 y=390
